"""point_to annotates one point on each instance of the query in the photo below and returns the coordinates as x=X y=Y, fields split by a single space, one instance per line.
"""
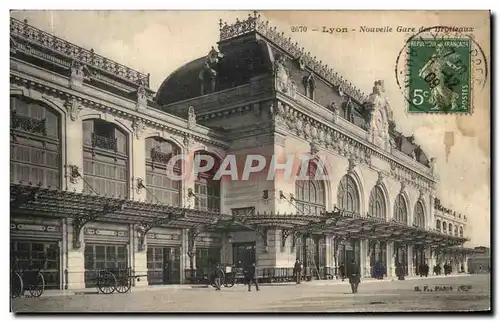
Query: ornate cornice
x=86 y=101
x=82 y=55
x=338 y=141
x=256 y=24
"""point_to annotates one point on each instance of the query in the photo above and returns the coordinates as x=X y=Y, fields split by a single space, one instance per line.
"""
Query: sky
x=159 y=42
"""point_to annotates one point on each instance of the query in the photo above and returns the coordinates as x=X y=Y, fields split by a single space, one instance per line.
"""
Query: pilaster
x=391 y=261
x=184 y=260
x=138 y=162
x=75 y=274
x=411 y=267
x=74 y=154
x=138 y=257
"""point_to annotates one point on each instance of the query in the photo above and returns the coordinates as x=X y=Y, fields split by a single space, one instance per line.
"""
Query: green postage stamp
x=439 y=75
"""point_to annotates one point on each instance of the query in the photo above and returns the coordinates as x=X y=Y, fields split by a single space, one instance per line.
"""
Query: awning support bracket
x=80 y=221
x=145 y=227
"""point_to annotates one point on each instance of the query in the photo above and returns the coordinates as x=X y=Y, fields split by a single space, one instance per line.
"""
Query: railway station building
x=91 y=144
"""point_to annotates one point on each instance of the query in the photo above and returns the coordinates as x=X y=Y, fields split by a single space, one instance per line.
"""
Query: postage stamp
x=439 y=71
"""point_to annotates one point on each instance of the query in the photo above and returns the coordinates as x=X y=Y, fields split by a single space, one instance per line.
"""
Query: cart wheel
x=230 y=282
x=107 y=282
x=124 y=285
x=329 y=277
x=37 y=287
x=16 y=285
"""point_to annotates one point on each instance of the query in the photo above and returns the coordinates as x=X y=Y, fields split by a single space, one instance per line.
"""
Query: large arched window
x=444 y=227
x=419 y=215
x=207 y=189
x=456 y=230
x=310 y=193
x=400 y=210
x=161 y=186
x=438 y=225
x=105 y=159
x=348 y=195
x=461 y=231
x=450 y=229
x=35 y=143
x=378 y=207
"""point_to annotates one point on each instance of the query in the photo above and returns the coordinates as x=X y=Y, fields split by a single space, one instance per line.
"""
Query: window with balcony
x=35 y=143
x=207 y=189
x=105 y=159
x=160 y=184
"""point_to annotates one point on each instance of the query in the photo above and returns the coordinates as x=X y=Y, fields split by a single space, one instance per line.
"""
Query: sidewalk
x=89 y=291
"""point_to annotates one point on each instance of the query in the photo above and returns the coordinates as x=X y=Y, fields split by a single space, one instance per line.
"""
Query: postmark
x=440 y=70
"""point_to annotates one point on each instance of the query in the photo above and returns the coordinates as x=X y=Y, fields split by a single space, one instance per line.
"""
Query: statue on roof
x=191 y=117
x=378 y=116
x=283 y=80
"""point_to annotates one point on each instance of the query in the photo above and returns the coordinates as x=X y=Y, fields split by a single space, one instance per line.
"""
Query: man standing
x=251 y=277
x=426 y=269
x=354 y=276
x=297 y=270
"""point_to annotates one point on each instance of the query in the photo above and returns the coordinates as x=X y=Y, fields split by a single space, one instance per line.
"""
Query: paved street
x=318 y=296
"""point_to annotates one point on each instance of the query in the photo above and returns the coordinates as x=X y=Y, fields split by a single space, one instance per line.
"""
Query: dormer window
x=309 y=86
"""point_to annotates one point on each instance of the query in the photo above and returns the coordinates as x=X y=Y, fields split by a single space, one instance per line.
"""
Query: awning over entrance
x=30 y=199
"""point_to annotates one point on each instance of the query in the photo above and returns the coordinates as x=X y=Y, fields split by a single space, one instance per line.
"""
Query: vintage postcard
x=252 y=161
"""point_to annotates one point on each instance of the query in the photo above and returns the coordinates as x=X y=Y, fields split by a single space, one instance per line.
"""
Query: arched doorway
x=419 y=260
x=310 y=200
x=35 y=158
x=378 y=249
x=348 y=199
x=401 y=216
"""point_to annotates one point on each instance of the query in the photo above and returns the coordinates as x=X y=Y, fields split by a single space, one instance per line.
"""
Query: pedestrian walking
x=297 y=271
x=400 y=272
x=354 y=275
x=251 y=277
x=217 y=276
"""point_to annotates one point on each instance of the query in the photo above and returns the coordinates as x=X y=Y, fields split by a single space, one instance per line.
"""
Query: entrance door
x=42 y=255
x=402 y=256
x=243 y=254
x=163 y=265
x=350 y=251
x=418 y=258
x=378 y=257
x=98 y=257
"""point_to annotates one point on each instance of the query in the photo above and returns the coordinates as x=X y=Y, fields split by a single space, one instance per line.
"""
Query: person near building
x=342 y=272
x=297 y=271
x=353 y=273
x=218 y=275
x=400 y=272
x=251 y=277
x=426 y=269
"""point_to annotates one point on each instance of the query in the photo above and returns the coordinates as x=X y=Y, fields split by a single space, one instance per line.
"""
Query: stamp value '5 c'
x=439 y=75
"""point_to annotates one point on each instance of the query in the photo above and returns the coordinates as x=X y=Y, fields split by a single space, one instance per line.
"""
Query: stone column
x=184 y=260
x=391 y=262
x=366 y=256
x=411 y=268
x=329 y=249
x=76 y=260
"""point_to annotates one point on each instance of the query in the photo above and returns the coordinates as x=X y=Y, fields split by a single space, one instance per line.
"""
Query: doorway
x=402 y=256
x=418 y=258
x=243 y=254
x=163 y=265
x=349 y=251
x=378 y=257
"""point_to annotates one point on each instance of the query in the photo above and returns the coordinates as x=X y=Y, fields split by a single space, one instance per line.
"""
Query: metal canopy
x=31 y=199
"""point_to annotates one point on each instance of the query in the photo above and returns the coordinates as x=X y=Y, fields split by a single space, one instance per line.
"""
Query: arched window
x=450 y=229
x=456 y=230
x=348 y=195
x=161 y=186
x=438 y=225
x=419 y=215
x=461 y=231
x=444 y=227
x=206 y=189
x=400 y=210
x=309 y=192
x=35 y=143
x=309 y=86
x=105 y=159
x=378 y=208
